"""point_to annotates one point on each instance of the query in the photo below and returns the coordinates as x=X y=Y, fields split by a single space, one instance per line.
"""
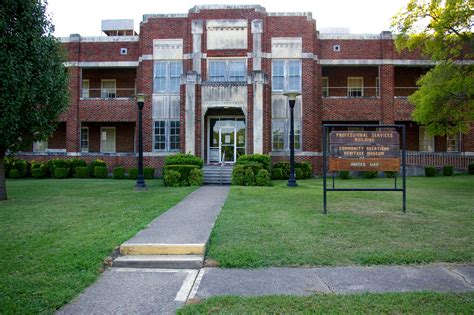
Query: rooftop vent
x=118 y=27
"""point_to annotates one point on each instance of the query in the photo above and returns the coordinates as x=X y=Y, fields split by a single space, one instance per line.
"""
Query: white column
x=257 y=29
x=258 y=81
x=196 y=30
x=190 y=111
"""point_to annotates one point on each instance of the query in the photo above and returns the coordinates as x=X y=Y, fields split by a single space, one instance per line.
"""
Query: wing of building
x=214 y=79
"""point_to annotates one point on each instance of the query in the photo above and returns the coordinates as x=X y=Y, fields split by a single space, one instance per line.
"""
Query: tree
x=442 y=30
x=33 y=80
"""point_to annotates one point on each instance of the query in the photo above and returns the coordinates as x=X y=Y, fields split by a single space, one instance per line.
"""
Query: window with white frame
x=85 y=89
x=286 y=75
x=166 y=128
x=227 y=70
x=167 y=76
x=107 y=140
x=108 y=88
x=427 y=142
x=355 y=86
x=281 y=125
x=84 y=139
x=452 y=143
x=325 y=86
x=40 y=146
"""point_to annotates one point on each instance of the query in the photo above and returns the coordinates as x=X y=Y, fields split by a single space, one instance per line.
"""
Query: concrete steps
x=217 y=175
x=160 y=261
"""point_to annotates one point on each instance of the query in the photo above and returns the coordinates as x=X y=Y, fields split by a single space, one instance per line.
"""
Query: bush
x=430 y=171
x=148 y=172
x=172 y=178
x=306 y=168
x=82 y=172
x=16 y=164
x=448 y=170
x=119 y=172
x=277 y=173
x=60 y=172
x=38 y=172
x=263 y=159
x=249 y=177
x=238 y=174
x=263 y=178
x=133 y=173
x=75 y=163
x=196 y=177
x=100 y=172
x=470 y=168
x=390 y=174
x=370 y=174
x=299 y=174
x=14 y=173
x=183 y=170
x=344 y=174
x=57 y=163
x=285 y=167
x=183 y=159
x=95 y=163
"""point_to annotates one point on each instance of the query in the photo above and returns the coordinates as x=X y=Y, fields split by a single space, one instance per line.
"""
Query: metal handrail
x=222 y=165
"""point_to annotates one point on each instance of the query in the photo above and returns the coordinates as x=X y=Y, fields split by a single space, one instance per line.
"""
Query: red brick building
x=215 y=78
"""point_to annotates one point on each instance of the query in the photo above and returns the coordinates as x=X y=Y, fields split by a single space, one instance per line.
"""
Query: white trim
x=83 y=95
x=115 y=139
x=402 y=62
x=301 y=153
x=186 y=287
x=324 y=36
x=102 y=64
x=196 y=284
x=88 y=142
x=102 y=39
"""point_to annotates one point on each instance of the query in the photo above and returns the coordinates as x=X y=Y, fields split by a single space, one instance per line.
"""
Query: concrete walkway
x=163 y=291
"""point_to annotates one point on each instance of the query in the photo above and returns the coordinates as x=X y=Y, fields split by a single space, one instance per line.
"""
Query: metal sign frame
x=329 y=127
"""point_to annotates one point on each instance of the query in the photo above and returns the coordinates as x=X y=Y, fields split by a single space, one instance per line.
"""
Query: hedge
x=430 y=171
x=344 y=174
x=263 y=178
x=263 y=159
x=172 y=178
x=448 y=170
x=57 y=163
x=184 y=159
x=470 y=168
x=133 y=173
x=303 y=170
x=183 y=170
x=196 y=177
x=100 y=172
x=14 y=173
x=82 y=172
x=148 y=172
x=95 y=163
x=16 y=164
x=38 y=173
x=60 y=172
x=119 y=172
x=75 y=163
x=243 y=175
x=370 y=174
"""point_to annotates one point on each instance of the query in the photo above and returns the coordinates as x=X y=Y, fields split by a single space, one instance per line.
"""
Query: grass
x=281 y=226
x=388 y=303
x=55 y=234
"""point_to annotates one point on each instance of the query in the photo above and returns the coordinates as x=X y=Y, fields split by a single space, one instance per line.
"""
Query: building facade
x=215 y=78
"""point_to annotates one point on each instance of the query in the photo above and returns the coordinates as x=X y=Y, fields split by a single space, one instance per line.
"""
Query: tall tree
x=33 y=80
x=442 y=30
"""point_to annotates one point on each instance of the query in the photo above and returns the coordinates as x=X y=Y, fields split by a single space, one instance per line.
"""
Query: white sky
x=84 y=16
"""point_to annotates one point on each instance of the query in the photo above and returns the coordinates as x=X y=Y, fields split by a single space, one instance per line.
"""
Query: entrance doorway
x=226 y=139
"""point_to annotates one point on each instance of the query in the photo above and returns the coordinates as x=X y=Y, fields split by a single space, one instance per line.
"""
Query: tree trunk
x=3 y=187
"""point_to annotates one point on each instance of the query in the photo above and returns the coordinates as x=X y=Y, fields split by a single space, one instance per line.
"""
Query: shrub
x=100 y=172
x=148 y=172
x=306 y=168
x=16 y=164
x=430 y=171
x=255 y=166
x=370 y=174
x=75 y=163
x=82 y=172
x=196 y=177
x=119 y=172
x=60 y=172
x=277 y=173
x=263 y=159
x=344 y=175
x=263 y=178
x=285 y=167
x=183 y=159
x=238 y=174
x=299 y=174
x=183 y=170
x=133 y=173
x=390 y=174
x=38 y=172
x=172 y=178
x=95 y=163
x=448 y=170
x=249 y=177
x=57 y=163
x=470 y=168
x=14 y=173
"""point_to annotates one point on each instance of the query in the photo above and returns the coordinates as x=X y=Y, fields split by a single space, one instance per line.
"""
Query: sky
x=84 y=16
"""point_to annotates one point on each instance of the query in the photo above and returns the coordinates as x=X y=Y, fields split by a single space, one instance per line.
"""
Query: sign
x=364 y=151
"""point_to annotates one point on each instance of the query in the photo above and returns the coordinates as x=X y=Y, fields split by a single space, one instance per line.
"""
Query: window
x=84 y=139
x=281 y=125
x=85 y=89
x=108 y=89
x=167 y=76
x=426 y=141
x=452 y=143
x=40 y=146
x=286 y=75
x=355 y=86
x=325 y=86
x=107 y=140
x=227 y=70
x=166 y=135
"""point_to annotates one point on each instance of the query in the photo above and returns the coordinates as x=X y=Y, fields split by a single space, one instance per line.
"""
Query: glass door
x=227 y=140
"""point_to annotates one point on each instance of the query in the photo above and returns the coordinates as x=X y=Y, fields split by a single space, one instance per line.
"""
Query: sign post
x=377 y=150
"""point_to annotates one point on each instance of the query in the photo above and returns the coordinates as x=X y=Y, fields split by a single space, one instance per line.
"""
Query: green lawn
x=281 y=226
x=389 y=303
x=55 y=234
